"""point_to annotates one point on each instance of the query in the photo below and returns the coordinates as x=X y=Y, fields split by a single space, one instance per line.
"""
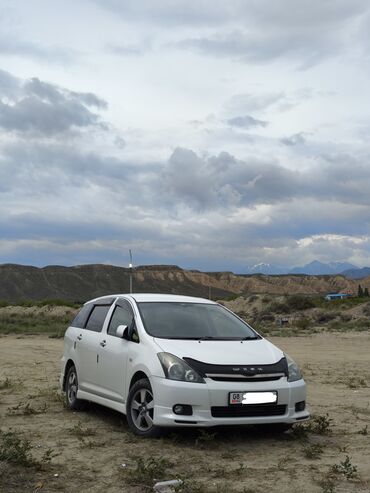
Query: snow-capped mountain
x=267 y=269
x=314 y=268
x=317 y=268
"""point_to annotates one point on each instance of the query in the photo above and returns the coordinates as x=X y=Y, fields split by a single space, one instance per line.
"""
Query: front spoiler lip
x=204 y=419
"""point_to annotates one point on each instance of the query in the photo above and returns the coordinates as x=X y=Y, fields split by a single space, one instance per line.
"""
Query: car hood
x=258 y=352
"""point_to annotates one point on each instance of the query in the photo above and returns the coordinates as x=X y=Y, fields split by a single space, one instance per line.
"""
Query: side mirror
x=122 y=331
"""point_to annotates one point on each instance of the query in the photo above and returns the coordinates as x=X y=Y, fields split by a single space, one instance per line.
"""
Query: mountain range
x=314 y=268
x=83 y=282
x=357 y=273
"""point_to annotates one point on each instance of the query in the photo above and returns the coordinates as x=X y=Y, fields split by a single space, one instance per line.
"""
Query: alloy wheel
x=72 y=387
x=142 y=409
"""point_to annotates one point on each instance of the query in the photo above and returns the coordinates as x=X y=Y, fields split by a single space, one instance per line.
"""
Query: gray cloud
x=130 y=49
x=294 y=139
x=217 y=12
x=225 y=183
x=166 y=12
x=176 y=209
x=56 y=94
x=9 y=85
x=31 y=114
x=250 y=103
x=39 y=107
x=10 y=46
x=219 y=183
x=246 y=121
x=305 y=32
x=262 y=47
x=70 y=193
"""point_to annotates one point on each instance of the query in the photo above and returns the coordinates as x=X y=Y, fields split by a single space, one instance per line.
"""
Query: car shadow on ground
x=187 y=436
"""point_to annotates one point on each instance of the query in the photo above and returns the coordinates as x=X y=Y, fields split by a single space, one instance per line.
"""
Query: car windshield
x=201 y=321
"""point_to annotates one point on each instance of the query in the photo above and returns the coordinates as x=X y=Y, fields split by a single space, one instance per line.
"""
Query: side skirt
x=117 y=406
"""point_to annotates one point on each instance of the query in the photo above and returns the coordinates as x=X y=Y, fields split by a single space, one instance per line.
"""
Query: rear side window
x=97 y=317
x=81 y=317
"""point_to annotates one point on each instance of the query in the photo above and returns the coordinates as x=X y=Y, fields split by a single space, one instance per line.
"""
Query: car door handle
x=103 y=343
x=79 y=337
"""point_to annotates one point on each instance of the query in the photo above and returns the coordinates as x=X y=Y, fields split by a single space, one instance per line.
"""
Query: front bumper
x=202 y=397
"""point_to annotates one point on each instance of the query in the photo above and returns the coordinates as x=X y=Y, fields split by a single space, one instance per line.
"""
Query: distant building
x=337 y=296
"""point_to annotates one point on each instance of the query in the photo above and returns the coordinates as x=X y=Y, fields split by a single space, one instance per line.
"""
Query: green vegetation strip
x=34 y=324
x=48 y=302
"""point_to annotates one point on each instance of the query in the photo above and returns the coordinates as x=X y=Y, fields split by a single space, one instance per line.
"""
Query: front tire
x=72 y=402
x=140 y=409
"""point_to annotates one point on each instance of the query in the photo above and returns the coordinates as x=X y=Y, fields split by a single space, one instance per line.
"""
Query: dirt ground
x=94 y=451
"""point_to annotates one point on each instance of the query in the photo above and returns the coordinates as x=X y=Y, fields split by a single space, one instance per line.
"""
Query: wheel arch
x=139 y=375
x=69 y=364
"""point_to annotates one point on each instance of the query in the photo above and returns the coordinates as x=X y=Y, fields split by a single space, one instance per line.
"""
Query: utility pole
x=130 y=266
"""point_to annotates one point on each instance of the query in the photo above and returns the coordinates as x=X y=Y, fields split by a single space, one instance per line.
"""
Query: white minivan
x=166 y=360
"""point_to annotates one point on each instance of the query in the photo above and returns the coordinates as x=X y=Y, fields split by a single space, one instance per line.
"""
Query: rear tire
x=72 y=402
x=140 y=410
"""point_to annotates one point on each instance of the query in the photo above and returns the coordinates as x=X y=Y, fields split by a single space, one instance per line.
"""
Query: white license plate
x=253 y=397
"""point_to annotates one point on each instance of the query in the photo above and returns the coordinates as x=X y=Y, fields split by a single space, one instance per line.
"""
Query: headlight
x=294 y=372
x=176 y=369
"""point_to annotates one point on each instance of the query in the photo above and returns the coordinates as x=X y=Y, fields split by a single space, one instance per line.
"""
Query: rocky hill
x=287 y=284
x=83 y=282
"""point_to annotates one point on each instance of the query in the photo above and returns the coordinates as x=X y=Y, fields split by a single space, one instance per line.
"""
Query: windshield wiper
x=211 y=338
x=205 y=338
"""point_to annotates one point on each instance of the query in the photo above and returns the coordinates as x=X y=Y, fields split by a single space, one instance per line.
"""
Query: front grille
x=248 y=411
x=225 y=378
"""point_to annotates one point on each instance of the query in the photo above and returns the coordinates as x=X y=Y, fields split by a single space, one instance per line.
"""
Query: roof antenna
x=130 y=267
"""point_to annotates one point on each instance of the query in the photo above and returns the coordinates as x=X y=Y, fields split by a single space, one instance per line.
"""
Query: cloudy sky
x=212 y=134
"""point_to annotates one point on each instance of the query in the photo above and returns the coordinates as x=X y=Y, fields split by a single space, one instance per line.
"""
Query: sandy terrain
x=93 y=445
